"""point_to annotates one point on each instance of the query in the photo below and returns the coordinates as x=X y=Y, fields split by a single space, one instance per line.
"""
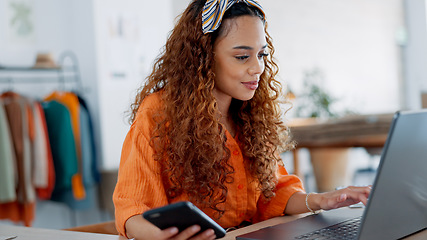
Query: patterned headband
x=214 y=10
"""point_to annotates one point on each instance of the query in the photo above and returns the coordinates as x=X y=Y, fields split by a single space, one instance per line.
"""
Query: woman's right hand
x=139 y=229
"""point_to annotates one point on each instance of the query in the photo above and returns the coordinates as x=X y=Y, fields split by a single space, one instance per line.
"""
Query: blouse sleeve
x=139 y=186
x=287 y=185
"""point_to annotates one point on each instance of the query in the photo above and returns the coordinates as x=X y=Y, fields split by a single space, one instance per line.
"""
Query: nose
x=256 y=67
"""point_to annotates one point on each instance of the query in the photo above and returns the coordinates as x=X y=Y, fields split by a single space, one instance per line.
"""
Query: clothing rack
x=67 y=72
x=64 y=76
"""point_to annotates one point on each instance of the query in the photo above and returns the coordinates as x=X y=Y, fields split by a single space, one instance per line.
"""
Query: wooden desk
x=268 y=223
x=368 y=131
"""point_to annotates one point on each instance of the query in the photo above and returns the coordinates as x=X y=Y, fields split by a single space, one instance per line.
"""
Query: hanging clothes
x=7 y=160
x=62 y=145
x=47 y=150
x=90 y=169
x=19 y=116
x=44 y=170
x=71 y=101
x=90 y=141
x=44 y=155
x=87 y=150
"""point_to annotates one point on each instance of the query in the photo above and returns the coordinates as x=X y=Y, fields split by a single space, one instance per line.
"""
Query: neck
x=224 y=102
x=223 y=110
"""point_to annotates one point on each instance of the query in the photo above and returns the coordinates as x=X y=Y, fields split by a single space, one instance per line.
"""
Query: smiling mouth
x=253 y=85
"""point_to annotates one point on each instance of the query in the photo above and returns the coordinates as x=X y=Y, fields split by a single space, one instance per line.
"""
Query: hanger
x=68 y=63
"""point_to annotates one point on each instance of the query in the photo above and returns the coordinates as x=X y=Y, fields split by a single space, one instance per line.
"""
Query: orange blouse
x=140 y=186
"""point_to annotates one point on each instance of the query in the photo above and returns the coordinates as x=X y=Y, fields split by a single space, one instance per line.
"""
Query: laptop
x=397 y=205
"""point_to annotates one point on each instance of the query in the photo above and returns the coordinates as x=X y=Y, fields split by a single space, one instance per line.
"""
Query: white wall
x=49 y=33
x=415 y=53
x=353 y=42
x=178 y=6
x=129 y=36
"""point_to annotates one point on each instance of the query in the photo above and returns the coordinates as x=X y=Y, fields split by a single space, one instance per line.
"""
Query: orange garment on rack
x=18 y=212
x=71 y=101
x=140 y=186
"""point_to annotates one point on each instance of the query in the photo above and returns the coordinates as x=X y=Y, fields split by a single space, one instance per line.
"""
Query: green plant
x=314 y=101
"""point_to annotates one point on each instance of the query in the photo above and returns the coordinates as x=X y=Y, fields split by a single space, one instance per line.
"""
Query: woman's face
x=239 y=58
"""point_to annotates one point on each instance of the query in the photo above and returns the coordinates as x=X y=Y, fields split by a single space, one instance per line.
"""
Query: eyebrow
x=248 y=48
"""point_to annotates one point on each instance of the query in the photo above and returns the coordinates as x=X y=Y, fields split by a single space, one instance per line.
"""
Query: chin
x=245 y=97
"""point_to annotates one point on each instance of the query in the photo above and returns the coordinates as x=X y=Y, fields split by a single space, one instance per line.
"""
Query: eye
x=262 y=55
x=244 y=57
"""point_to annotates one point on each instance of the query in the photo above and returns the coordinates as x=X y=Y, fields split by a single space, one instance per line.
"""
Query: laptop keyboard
x=344 y=230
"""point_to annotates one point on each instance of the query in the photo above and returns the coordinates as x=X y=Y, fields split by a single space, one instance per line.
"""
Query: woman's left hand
x=339 y=198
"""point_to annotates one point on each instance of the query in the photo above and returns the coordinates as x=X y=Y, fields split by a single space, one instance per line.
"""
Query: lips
x=252 y=85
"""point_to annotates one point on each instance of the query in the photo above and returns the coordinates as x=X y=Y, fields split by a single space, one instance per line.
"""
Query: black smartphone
x=182 y=215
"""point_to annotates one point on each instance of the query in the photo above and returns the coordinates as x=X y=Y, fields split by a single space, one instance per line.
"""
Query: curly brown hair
x=189 y=133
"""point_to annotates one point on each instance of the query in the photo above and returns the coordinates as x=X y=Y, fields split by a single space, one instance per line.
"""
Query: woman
x=206 y=128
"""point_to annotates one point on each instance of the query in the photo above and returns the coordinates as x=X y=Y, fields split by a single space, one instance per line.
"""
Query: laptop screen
x=398 y=202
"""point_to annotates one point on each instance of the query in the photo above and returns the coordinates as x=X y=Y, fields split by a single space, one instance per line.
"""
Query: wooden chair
x=103 y=228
